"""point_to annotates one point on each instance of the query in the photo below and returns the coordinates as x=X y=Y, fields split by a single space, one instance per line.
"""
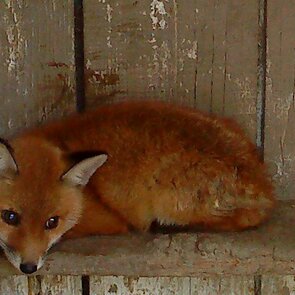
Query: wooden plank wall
x=198 y=53
x=37 y=62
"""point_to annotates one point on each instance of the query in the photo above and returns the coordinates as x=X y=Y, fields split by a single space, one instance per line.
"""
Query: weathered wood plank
x=132 y=56
x=199 y=53
x=55 y=285
x=280 y=103
x=269 y=249
x=240 y=89
x=34 y=285
x=218 y=53
x=222 y=285
x=137 y=286
x=278 y=285
x=36 y=68
x=14 y=285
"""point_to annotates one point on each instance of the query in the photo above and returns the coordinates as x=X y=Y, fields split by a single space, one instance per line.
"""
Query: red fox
x=123 y=166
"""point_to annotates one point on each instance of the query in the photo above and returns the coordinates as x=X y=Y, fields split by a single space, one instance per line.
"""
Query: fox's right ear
x=8 y=167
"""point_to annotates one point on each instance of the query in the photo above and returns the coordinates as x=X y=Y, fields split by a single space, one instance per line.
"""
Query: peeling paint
x=109 y=43
x=88 y=63
x=109 y=13
x=102 y=78
x=284 y=160
x=245 y=87
x=33 y=58
x=153 y=39
x=282 y=163
x=283 y=108
x=16 y=40
x=160 y=63
x=157 y=14
x=193 y=52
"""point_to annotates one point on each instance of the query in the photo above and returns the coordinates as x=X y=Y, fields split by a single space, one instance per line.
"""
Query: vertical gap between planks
x=79 y=55
x=261 y=75
x=257 y=285
x=85 y=285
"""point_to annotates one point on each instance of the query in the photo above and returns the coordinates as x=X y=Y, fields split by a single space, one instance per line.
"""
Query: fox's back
x=144 y=127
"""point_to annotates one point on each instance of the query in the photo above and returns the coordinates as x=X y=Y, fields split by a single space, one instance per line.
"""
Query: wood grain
x=14 y=285
x=280 y=103
x=203 y=285
x=36 y=69
x=278 y=285
x=56 y=285
x=199 y=53
x=222 y=285
x=137 y=286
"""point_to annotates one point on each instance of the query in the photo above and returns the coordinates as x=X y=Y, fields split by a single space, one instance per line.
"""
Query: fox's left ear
x=80 y=173
x=8 y=167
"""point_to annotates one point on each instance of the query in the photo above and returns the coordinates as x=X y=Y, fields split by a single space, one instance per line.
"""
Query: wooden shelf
x=267 y=250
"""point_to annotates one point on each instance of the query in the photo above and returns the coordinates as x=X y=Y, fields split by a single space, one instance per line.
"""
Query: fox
x=124 y=167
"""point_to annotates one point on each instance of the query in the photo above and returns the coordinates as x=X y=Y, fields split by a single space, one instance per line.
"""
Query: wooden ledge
x=267 y=250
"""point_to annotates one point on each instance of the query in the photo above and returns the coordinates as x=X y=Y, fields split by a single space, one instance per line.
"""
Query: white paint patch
x=153 y=39
x=193 y=52
x=109 y=43
x=283 y=108
x=88 y=64
x=109 y=13
x=10 y=124
x=158 y=13
x=15 y=38
x=160 y=66
x=285 y=161
x=246 y=95
x=54 y=6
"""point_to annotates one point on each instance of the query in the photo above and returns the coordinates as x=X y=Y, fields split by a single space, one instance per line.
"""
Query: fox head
x=40 y=199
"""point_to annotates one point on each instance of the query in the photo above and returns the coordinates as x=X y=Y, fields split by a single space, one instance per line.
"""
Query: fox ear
x=8 y=167
x=80 y=173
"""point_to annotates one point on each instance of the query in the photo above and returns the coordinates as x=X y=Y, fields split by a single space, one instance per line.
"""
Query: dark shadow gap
x=79 y=55
x=261 y=76
x=85 y=285
x=257 y=285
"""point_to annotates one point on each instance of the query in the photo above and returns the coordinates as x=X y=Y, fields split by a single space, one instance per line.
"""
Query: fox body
x=126 y=166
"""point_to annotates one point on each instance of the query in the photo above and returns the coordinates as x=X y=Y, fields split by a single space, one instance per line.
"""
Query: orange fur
x=167 y=163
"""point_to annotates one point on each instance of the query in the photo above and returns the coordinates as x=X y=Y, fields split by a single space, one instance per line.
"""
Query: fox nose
x=28 y=268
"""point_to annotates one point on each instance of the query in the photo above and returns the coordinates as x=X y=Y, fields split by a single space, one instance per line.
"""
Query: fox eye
x=52 y=222
x=10 y=217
